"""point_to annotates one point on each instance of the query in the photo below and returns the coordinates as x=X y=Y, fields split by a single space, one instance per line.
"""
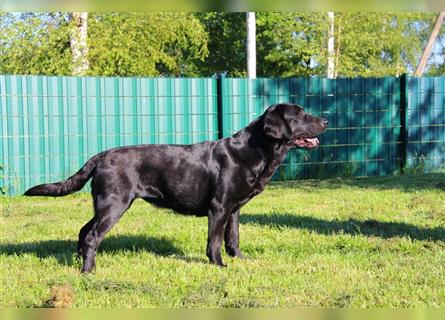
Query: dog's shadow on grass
x=65 y=251
x=351 y=226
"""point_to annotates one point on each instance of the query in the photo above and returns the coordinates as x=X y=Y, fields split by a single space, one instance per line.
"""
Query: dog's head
x=290 y=124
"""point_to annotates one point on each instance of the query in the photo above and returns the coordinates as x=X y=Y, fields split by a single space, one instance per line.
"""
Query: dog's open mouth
x=306 y=142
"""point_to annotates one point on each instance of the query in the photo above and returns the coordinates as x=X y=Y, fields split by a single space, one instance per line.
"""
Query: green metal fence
x=426 y=123
x=363 y=114
x=51 y=125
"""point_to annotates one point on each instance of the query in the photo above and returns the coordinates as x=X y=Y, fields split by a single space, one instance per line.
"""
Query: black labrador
x=212 y=178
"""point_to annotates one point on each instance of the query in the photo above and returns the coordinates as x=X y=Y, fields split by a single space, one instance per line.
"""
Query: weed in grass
x=342 y=300
x=62 y=296
x=200 y=296
x=248 y=303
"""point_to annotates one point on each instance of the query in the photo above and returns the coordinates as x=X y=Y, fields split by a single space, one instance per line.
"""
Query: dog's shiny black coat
x=212 y=178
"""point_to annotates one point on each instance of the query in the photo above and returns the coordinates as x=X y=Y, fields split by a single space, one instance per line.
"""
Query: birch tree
x=78 y=43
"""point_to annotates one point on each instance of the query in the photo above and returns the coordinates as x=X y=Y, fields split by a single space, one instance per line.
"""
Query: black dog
x=212 y=178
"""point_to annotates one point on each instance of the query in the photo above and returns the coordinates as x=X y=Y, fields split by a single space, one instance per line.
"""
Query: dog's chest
x=258 y=183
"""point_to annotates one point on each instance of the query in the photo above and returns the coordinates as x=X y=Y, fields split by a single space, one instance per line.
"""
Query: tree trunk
x=331 y=54
x=251 y=45
x=78 y=43
x=429 y=45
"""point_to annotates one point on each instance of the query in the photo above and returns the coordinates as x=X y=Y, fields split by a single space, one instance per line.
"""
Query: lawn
x=333 y=243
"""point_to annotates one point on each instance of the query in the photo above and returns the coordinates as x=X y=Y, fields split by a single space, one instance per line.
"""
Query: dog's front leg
x=218 y=216
x=231 y=235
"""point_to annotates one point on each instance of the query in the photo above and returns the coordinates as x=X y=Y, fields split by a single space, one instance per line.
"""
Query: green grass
x=332 y=243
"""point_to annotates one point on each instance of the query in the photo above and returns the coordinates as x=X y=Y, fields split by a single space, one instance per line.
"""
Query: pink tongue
x=307 y=142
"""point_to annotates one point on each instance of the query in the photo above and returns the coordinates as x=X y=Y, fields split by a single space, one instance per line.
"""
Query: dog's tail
x=70 y=185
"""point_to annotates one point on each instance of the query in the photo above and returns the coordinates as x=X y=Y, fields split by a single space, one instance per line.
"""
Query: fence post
x=219 y=93
x=403 y=146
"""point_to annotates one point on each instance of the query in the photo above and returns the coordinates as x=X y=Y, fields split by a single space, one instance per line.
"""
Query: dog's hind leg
x=107 y=213
x=82 y=234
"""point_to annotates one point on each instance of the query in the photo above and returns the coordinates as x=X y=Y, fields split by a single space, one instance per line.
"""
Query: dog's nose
x=324 y=122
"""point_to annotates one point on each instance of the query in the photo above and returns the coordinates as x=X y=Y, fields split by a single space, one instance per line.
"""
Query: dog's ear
x=275 y=125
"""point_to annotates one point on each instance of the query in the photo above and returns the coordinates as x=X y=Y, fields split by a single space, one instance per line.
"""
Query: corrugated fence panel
x=364 y=117
x=50 y=126
x=426 y=122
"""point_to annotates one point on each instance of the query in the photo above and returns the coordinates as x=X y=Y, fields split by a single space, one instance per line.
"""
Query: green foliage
x=366 y=44
x=287 y=44
x=145 y=44
x=295 y=44
x=35 y=43
x=227 y=43
x=120 y=44
x=436 y=69
x=291 y=44
x=380 y=44
x=417 y=165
